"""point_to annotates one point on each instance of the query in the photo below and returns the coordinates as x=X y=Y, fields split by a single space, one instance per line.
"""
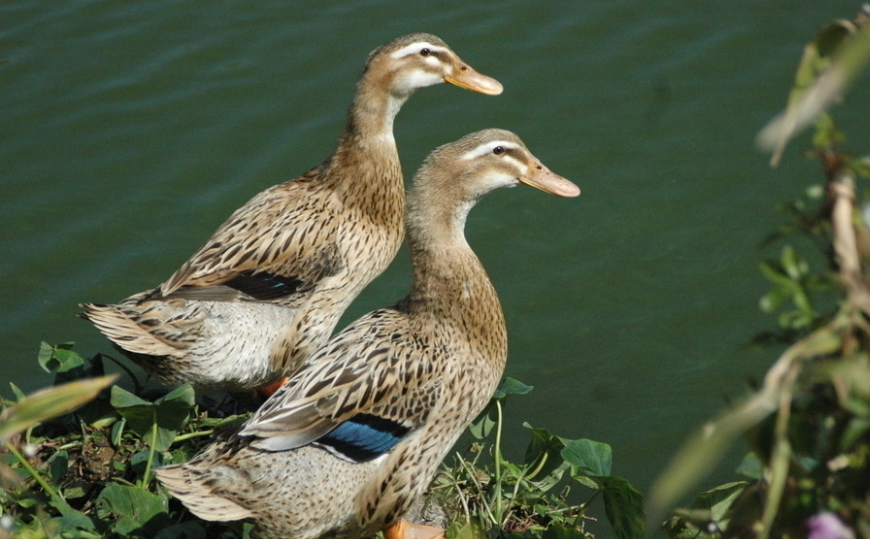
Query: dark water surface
x=130 y=130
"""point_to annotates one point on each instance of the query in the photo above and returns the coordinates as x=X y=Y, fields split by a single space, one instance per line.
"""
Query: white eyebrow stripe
x=415 y=48
x=484 y=149
x=524 y=168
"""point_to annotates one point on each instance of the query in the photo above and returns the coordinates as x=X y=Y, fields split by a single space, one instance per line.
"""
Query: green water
x=129 y=130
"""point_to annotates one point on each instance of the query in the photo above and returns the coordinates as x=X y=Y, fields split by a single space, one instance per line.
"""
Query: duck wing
x=282 y=242
x=360 y=395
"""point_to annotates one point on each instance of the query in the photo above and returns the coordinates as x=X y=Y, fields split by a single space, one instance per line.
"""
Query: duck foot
x=267 y=390
x=408 y=530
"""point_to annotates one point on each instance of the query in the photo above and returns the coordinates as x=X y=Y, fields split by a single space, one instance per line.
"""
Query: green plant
x=808 y=425
x=493 y=497
x=89 y=474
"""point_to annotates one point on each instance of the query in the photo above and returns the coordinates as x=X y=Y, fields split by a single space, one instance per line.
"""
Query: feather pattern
x=267 y=289
x=353 y=438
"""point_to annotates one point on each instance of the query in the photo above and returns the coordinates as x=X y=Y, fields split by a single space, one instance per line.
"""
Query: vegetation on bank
x=89 y=473
x=77 y=460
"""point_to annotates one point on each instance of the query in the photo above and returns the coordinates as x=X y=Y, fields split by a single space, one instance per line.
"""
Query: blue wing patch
x=364 y=437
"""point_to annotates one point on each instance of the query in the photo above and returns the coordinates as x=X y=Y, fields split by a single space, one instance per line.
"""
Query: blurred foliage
x=807 y=426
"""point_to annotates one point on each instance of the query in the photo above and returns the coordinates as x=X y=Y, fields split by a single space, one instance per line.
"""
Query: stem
x=137 y=386
x=68 y=445
x=511 y=501
x=146 y=477
x=497 y=453
x=497 y=448
x=196 y=434
x=63 y=506
x=842 y=189
x=781 y=454
x=469 y=470
x=583 y=506
x=538 y=469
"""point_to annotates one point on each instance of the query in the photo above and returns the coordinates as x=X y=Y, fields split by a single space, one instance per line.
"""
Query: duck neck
x=449 y=280
x=440 y=255
x=366 y=163
x=371 y=115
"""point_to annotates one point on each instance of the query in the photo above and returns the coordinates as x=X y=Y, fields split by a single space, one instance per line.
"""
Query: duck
x=354 y=436
x=269 y=286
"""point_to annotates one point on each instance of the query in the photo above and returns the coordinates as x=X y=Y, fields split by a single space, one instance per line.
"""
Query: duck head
x=487 y=160
x=416 y=61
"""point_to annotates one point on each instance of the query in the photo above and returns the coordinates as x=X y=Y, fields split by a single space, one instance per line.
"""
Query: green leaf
x=50 y=402
x=44 y=355
x=58 y=358
x=471 y=530
x=170 y=413
x=751 y=467
x=542 y=442
x=221 y=423
x=586 y=481
x=175 y=406
x=183 y=530
x=794 y=264
x=543 y=446
x=511 y=386
x=594 y=458
x=76 y=525
x=624 y=507
x=140 y=460
x=557 y=531
x=773 y=300
x=76 y=490
x=774 y=273
x=118 y=432
x=137 y=511
x=552 y=478
x=484 y=423
x=718 y=500
x=855 y=430
x=58 y=465
x=121 y=398
x=19 y=395
x=247 y=530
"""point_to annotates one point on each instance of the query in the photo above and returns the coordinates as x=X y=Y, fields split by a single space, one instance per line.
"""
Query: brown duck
x=269 y=286
x=354 y=437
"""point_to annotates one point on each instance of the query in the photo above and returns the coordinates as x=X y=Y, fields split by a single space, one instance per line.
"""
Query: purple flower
x=827 y=525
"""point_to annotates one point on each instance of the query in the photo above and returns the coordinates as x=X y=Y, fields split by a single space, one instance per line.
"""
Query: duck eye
x=498 y=150
x=425 y=52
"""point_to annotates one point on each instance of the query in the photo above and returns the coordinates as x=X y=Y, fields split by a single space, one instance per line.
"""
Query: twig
x=842 y=188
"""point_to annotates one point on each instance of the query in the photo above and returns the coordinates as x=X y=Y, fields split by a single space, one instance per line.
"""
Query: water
x=130 y=130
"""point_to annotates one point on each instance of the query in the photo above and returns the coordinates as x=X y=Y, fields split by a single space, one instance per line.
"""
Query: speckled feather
x=269 y=286
x=428 y=364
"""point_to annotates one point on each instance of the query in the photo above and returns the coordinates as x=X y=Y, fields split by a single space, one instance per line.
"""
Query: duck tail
x=188 y=485
x=118 y=327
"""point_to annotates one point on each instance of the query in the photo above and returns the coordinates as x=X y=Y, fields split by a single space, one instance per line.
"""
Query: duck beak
x=466 y=77
x=544 y=179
